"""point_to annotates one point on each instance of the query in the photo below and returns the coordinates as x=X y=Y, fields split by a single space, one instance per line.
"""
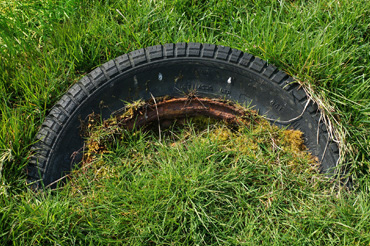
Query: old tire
x=213 y=71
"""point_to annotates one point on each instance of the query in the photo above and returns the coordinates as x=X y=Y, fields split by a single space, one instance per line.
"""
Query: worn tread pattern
x=83 y=89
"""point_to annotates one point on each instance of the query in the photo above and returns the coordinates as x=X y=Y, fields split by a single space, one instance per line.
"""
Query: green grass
x=202 y=184
x=46 y=46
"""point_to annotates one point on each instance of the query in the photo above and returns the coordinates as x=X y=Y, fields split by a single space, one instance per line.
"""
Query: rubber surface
x=174 y=69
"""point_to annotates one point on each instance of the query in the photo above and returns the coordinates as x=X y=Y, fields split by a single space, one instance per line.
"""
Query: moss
x=251 y=137
x=294 y=140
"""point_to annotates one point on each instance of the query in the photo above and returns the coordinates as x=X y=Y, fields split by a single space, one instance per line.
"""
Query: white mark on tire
x=229 y=80
x=135 y=81
x=160 y=77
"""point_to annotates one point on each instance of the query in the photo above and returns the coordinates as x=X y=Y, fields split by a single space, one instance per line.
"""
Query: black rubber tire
x=213 y=71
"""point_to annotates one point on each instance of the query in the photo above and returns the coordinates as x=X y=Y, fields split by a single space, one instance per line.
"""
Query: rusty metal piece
x=179 y=108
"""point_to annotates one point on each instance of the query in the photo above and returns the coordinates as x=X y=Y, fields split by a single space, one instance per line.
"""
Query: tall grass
x=46 y=46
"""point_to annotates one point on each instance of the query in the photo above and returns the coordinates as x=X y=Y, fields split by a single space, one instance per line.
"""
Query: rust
x=179 y=108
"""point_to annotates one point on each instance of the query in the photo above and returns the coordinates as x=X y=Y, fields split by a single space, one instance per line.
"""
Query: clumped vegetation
x=181 y=193
x=198 y=185
x=99 y=135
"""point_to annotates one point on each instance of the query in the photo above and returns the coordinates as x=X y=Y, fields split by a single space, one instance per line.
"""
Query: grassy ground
x=46 y=46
